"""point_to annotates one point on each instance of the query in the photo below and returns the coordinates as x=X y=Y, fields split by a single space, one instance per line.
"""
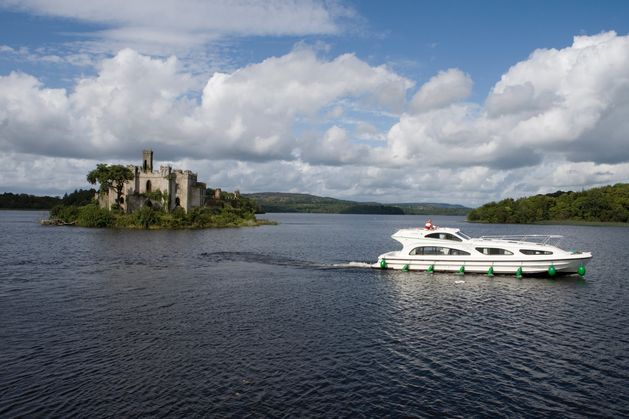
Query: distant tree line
x=295 y=202
x=434 y=209
x=604 y=204
x=10 y=200
x=372 y=209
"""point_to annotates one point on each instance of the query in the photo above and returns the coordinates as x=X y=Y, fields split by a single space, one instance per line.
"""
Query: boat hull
x=528 y=267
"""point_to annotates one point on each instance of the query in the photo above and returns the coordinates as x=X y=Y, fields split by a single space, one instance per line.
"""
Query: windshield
x=465 y=236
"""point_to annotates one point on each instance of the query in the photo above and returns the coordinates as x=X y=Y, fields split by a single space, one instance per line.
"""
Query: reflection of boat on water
x=434 y=249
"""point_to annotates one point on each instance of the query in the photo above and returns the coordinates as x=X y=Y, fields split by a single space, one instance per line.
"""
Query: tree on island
x=110 y=176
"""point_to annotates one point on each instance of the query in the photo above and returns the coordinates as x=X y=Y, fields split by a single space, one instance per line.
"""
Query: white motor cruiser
x=434 y=249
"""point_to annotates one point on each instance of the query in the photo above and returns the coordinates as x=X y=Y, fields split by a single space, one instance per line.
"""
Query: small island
x=139 y=197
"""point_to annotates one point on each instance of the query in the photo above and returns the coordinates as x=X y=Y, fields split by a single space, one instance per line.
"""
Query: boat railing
x=551 y=239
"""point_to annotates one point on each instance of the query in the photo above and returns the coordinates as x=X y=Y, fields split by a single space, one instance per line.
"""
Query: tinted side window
x=493 y=251
x=459 y=252
x=444 y=236
x=426 y=250
x=435 y=250
x=535 y=252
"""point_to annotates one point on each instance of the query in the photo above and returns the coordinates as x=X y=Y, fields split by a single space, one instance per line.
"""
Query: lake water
x=275 y=321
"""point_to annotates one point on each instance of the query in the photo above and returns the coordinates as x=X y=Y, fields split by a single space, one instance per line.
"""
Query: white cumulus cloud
x=337 y=126
x=447 y=87
x=567 y=103
x=136 y=101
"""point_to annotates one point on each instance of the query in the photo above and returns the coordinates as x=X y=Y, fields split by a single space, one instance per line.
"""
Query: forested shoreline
x=603 y=204
x=607 y=204
x=306 y=203
x=24 y=201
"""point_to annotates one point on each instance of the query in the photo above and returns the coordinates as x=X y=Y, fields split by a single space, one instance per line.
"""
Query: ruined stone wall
x=190 y=193
x=197 y=195
x=181 y=186
x=183 y=189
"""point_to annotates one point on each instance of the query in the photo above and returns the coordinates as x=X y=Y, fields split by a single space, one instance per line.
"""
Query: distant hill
x=372 y=209
x=433 y=208
x=604 y=204
x=296 y=202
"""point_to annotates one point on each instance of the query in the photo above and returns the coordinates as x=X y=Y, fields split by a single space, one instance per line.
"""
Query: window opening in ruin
x=148 y=186
x=177 y=202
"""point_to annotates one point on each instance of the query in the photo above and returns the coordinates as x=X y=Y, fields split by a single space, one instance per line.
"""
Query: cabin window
x=535 y=252
x=443 y=236
x=438 y=251
x=148 y=186
x=494 y=251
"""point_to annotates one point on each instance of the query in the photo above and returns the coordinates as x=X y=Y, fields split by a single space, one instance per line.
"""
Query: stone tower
x=147 y=157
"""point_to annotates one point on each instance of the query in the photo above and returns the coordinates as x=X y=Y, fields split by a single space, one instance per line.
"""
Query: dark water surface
x=273 y=321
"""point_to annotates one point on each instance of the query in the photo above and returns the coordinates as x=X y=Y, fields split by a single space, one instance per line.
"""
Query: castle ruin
x=179 y=188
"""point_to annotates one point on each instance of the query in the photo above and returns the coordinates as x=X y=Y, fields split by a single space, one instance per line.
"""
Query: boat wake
x=353 y=265
x=252 y=257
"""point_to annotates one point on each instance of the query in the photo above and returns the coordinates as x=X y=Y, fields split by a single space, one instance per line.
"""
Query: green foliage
x=245 y=204
x=228 y=217
x=93 y=216
x=179 y=213
x=122 y=220
x=233 y=212
x=146 y=217
x=10 y=200
x=67 y=214
x=79 y=197
x=110 y=176
x=176 y=219
x=205 y=217
x=159 y=197
x=605 y=204
x=23 y=201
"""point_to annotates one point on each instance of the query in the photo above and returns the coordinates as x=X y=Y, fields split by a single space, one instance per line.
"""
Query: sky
x=462 y=102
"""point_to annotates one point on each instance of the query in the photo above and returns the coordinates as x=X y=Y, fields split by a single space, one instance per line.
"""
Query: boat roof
x=422 y=231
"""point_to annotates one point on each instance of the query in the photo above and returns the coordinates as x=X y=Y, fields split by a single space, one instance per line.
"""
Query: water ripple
x=187 y=324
